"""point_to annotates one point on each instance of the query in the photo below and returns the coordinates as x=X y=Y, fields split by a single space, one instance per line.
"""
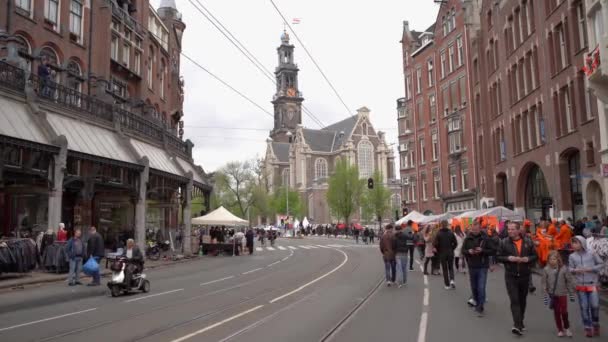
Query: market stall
x=219 y=217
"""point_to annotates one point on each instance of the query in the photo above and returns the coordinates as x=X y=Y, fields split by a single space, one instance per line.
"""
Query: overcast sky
x=356 y=43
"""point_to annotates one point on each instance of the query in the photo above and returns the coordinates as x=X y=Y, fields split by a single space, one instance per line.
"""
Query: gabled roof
x=347 y=126
x=281 y=151
x=319 y=140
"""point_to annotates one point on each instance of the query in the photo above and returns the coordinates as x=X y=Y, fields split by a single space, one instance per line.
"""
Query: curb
x=63 y=277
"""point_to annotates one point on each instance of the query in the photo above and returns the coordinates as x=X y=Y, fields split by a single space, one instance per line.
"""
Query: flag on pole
x=295 y=21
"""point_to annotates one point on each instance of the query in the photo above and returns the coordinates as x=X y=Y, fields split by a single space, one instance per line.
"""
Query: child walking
x=558 y=284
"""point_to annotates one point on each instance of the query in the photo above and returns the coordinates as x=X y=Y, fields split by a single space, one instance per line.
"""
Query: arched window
x=285 y=177
x=163 y=71
x=25 y=52
x=48 y=51
x=151 y=68
x=365 y=156
x=74 y=81
x=320 y=168
x=396 y=201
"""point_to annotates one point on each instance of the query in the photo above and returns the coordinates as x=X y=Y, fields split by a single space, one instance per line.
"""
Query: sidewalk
x=14 y=281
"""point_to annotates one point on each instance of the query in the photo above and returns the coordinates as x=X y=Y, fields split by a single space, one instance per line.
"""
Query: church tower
x=288 y=100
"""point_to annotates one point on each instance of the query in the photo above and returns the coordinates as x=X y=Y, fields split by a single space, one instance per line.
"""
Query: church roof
x=281 y=151
x=319 y=140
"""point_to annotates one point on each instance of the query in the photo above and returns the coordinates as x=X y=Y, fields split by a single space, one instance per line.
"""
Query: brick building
x=303 y=158
x=536 y=123
x=436 y=145
x=98 y=139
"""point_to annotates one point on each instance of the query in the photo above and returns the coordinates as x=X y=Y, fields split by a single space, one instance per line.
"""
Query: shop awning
x=159 y=158
x=187 y=166
x=90 y=139
x=17 y=122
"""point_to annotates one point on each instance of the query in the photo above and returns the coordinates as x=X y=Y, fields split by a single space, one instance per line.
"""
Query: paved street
x=303 y=290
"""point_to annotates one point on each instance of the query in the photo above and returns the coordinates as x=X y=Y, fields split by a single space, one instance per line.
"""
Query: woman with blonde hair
x=558 y=284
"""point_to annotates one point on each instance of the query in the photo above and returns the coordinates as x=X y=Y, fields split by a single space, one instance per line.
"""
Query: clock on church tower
x=288 y=100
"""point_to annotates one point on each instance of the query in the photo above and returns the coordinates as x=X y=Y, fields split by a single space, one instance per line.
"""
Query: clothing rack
x=17 y=255
x=55 y=257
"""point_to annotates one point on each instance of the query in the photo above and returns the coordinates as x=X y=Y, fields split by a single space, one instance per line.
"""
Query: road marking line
x=254 y=270
x=292 y=247
x=425 y=301
x=313 y=246
x=426 y=280
x=314 y=280
x=282 y=248
x=259 y=249
x=198 y=332
x=47 y=319
x=285 y=258
x=305 y=247
x=270 y=248
x=422 y=329
x=274 y=263
x=150 y=296
x=216 y=281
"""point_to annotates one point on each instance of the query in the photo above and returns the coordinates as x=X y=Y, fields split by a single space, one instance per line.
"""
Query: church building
x=304 y=158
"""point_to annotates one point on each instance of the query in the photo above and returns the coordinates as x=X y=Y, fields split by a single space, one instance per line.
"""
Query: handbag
x=90 y=267
x=552 y=295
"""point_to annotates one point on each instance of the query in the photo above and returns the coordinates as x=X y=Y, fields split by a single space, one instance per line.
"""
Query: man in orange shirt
x=564 y=236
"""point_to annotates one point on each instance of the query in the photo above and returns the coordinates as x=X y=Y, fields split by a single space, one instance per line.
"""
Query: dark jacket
x=488 y=248
x=445 y=242
x=137 y=256
x=386 y=245
x=507 y=248
x=403 y=241
x=71 y=251
x=249 y=237
x=95 y=246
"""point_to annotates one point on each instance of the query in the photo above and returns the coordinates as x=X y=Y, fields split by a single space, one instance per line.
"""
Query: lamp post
x=289 y=136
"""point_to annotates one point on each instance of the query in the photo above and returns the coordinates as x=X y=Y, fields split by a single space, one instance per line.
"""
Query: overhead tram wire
x=243 y=50
x=227 y=85
x=311 y=57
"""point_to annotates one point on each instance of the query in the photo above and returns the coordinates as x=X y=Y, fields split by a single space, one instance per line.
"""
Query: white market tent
x=436 y=218
x=220 y=216
x=501 y=212
x=413 y=215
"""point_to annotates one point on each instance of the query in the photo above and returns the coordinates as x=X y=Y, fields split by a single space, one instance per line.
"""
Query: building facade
x=303 y=158
x=436 y=144
x=95 y=138
x=536 y=123
x=597 y=73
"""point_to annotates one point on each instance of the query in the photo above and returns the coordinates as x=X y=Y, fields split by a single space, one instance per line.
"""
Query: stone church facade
x=304 y=158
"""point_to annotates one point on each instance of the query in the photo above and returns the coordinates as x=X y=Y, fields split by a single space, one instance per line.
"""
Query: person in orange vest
x=543 y=243
x=562 y=239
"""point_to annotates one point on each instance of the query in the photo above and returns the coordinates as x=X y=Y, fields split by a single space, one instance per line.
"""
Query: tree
x=345 y=190
x=279 y=202
x=234 y=183
x=376 y=201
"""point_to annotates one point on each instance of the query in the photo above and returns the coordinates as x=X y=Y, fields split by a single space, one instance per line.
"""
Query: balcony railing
x=127 y=19
x=15 y=79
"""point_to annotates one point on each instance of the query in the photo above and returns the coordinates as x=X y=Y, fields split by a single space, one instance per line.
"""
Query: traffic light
x=405 y=211
x=370 y=183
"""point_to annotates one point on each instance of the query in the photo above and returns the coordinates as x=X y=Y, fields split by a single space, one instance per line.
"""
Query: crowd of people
x=559 y=250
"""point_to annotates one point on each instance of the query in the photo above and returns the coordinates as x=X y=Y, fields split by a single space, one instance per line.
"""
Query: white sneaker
x=560 y=334
x=452 y=284
x=388 y=283
x=472 y=302
x=568 y=333
x=448 y=288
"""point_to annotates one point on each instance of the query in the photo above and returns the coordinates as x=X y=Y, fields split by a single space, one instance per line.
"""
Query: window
x=446 y=101
x=433 y=107
x=443 y=66
x=455 y=142
x=407 y=121
x=151 y=69
x=422 y=151
x=582 y=26
x=436 y=184
x=137 y=63
x=464 y=175
x=408 y=88
x=420 y=114
x=76 y=18
x=453 y=20
x=568 y=110
x=158 y=30
x=463 y=91
x=51 y=11
x=424 y=186
x=502 y=146
x=429 y=66
x=118 y=87
x=320 y=168
x=404 y=161
x=74 y=82
x=563 y=53
x=163 y=74
x=25 y=51
x=445 y=26
x=454 y=124
x=126 y=54
x=452 y=61
x=418 y=81
x=460 y=51
x=411 y=155
x=114 y=48
x=435 y=146
x=365 y=156
x=453 y=180
x=598 y=26
x=25 y=5
x=453 y=96
x=285 y=177
x=413 y=182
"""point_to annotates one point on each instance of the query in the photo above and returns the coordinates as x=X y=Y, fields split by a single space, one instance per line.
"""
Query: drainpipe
x=90 y=48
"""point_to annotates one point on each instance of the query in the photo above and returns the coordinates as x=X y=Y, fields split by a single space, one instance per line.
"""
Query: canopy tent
x=220 y=216
x=436 y=218
x=414 y=216
x=501 y=213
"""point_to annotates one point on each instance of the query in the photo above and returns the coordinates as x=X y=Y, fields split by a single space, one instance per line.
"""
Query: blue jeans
x=390 y=270
x=478 y=278
x=590 y=308
x=402 y=265
x=75 y=269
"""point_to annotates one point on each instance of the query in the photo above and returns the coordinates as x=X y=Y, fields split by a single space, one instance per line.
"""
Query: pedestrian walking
x=75 y=251
x=429 y=249
x=478 y=248
x=558 y=284
x=402 y=243
x=249 y=237
x=356 y=234
x=409 y=229
x=586 y=265
x=446 y=243
x=388 y=255
x=366 y=235
x=460 y=236
x=95 y=250
x=372 y=236
x=518 y=255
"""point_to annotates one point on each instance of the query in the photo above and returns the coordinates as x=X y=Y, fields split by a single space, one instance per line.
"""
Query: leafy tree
x=376 y=201
x=345 y=190
x=279 y=202
x=233 y=186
